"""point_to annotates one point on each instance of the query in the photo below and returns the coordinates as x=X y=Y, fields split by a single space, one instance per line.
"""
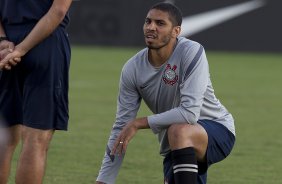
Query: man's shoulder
x=138 y=57
x=135 y=60
x=188 y=48
x=186 y=43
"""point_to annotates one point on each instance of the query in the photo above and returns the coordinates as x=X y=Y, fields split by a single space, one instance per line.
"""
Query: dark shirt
x=25 y=11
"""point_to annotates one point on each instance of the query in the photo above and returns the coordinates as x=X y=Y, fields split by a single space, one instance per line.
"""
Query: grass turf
x=248 y=84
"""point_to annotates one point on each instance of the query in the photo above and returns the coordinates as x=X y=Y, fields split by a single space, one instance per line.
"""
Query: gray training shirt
x=178 y=91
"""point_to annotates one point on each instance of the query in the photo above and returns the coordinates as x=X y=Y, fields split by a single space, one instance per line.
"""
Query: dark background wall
x=119 y=23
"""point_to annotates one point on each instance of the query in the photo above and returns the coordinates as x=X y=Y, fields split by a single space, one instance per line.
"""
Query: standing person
x=35 y=58
x=172 y=76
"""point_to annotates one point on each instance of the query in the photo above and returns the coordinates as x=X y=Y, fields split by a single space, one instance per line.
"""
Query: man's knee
x=179 y=136
x=11 y=136
x=187 y=135
x=36 y=138
x=178 y=131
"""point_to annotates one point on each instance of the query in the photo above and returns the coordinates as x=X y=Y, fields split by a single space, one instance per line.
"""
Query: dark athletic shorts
x=35 y=92
x=220 y=144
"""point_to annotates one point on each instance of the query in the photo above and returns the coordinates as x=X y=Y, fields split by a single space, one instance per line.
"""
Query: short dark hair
x=174 y=12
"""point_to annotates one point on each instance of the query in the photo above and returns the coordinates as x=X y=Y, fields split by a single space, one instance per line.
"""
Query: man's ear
x=176 y=31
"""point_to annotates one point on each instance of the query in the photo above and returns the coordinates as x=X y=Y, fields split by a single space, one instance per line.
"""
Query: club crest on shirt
x=170 y=76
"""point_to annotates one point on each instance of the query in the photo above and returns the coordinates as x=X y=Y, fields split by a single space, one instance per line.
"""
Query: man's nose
x=151 y=26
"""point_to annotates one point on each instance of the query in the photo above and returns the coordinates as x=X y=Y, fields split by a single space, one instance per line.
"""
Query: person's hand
x=124 y=137
x=6 y=47
x=12 y=58
x=4 y=53
x=98 y=182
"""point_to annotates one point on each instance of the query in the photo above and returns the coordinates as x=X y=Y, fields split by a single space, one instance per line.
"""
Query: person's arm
x=192 y=89
x=128 y=104
x=5 y=44
x=2 y=32
x=128 y=133
x=120 y=146
x=45 y=26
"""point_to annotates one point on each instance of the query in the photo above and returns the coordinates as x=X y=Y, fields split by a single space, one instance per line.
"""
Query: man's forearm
x=141 y=123
x=46 y=25
x=2 y=32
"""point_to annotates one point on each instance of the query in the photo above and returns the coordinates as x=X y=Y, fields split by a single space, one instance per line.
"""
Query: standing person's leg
x=45 y=103
x=10 y=115
x=188 y=144
x=9 y=139
x=32 y=161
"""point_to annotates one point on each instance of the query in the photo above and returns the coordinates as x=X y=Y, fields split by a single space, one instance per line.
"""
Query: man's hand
x=123 y=139
x=127 y=134
x=6 y=47
x=12 y=58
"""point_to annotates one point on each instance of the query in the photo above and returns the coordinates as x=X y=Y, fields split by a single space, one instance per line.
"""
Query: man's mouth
x=150 y=36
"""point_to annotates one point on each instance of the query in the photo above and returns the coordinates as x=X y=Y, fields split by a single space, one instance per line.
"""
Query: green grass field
x=248 y=84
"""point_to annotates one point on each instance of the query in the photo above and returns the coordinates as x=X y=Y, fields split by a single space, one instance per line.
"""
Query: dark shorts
x=220 y=144
x=35 y=92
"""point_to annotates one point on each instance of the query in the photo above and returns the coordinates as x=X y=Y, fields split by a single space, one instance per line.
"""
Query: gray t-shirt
x=178 y=91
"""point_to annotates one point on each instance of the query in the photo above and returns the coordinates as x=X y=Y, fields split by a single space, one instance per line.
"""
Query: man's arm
x=2 y=32
x=5 y=44
x=128 y=105
x=127 y=134
x=45 y=26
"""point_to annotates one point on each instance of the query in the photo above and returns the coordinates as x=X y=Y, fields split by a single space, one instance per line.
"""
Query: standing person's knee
x=36 y=138
x=12 y=136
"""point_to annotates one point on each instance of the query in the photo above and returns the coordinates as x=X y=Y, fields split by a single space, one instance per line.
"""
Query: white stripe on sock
x=186 y=170
x=185 y=165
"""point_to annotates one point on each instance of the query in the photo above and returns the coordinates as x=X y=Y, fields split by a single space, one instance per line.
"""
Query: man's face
x=158 y=29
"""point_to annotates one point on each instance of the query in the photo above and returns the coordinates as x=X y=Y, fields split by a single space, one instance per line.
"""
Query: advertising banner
x=231 y=25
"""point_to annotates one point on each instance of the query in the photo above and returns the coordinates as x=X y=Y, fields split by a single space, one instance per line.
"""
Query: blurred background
x=241 y=25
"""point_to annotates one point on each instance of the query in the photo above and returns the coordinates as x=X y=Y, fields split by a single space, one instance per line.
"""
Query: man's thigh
x=10 y=97
x=220 y=143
